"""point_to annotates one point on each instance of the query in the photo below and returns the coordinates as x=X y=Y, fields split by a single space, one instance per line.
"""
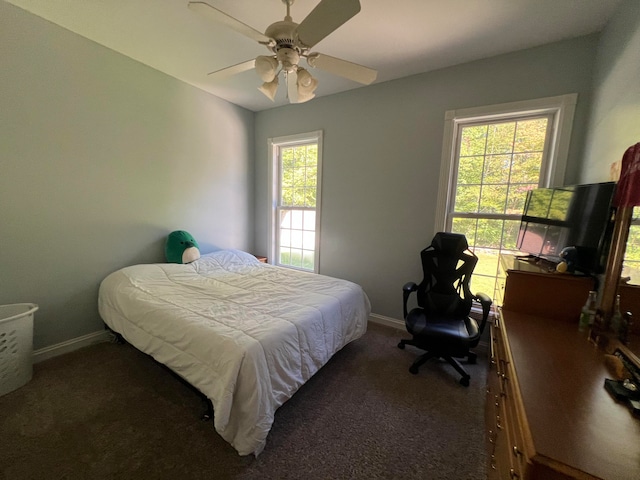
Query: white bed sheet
x=246 y=334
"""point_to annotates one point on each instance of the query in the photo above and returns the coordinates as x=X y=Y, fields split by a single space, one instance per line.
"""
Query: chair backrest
x=447 y=265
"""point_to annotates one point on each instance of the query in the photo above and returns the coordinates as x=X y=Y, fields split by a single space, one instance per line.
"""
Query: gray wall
x=382 y=153
x=615 y=119
x=100 y=158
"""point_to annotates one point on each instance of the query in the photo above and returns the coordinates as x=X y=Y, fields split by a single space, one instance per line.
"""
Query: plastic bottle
x=584 y=319
x=616 y=317
x=593 y=306
x=625 y=326
x=588 y=312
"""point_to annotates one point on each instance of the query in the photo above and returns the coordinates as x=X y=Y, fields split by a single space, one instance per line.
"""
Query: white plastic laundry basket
x=16 y=345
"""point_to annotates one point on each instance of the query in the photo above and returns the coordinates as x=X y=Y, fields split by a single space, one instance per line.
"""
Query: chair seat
x=443 y=333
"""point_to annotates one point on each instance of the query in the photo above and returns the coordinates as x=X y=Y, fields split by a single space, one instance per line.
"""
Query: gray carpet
x=108 y=411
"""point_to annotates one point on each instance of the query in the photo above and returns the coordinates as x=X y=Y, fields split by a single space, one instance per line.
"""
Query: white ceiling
x=396 y=37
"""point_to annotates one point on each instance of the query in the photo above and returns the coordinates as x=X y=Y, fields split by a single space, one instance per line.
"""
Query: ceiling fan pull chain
x=286 y=77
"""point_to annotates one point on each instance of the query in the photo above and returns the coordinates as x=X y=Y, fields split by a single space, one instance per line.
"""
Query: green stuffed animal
x=181 y=247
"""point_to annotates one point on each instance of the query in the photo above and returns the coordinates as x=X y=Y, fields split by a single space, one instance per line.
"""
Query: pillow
x=228 y=259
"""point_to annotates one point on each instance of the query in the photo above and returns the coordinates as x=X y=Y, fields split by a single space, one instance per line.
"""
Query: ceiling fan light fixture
x=289 y=59
x=270 y=89
x=266 y=67
x=305 y=97
x=307 y=85
x=304 y=78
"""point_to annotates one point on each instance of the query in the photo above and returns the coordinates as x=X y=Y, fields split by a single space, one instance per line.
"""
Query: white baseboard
x=70 y=345
x=104 y=336
x=386 y=321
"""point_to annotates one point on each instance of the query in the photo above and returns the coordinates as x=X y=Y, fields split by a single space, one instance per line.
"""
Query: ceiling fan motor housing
x=284 y=34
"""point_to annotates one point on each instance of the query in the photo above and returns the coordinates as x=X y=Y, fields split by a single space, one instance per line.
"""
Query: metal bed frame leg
x=117 y=338
x=208 y=414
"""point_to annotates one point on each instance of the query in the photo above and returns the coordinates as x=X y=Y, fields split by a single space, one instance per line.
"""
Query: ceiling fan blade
x=350 y=70
x=325 y=18
x=233 y=70
x=292 y=86
x=219 y=16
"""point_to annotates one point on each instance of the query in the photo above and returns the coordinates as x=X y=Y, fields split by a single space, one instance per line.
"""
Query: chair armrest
x=406 y=291
x=483 y=298
x=486 y=302
x=410 y=287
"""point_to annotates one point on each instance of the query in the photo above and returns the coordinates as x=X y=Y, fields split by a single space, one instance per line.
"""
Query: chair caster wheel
x=401 y=346
x=464 y=381
x=413 y=369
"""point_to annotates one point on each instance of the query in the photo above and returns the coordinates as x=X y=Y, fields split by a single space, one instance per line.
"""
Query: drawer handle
x=513 y=474
x=493 y=354
x=498 y=424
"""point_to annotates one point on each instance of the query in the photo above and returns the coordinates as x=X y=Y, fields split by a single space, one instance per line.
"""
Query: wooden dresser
x=548 y=415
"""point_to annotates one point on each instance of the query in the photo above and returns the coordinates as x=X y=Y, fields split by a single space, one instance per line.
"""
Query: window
x=492 y=157
x=295 y=191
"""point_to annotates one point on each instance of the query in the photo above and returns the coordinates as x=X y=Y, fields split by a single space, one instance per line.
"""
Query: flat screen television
x=574 y=216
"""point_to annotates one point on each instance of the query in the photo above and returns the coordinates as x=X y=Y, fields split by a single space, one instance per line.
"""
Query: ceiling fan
x=288 y=42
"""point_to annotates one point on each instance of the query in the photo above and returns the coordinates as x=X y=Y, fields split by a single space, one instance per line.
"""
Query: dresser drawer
x=507 y=455
x=519 y=460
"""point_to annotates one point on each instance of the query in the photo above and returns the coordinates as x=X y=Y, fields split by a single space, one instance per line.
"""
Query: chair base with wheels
x=432 y=351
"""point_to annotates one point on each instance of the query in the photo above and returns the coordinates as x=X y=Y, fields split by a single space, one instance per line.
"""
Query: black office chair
x=441 y=324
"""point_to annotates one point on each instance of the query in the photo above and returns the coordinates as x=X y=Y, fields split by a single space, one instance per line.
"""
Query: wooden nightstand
x=261 y=258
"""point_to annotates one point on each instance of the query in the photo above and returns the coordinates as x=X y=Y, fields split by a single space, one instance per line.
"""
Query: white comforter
x=246 y=334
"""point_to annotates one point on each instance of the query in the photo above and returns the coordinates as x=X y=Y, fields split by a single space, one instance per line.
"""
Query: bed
x=246 y=334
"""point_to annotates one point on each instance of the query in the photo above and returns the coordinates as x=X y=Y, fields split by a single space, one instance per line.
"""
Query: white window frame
x=274 y=144
x=561 y=108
